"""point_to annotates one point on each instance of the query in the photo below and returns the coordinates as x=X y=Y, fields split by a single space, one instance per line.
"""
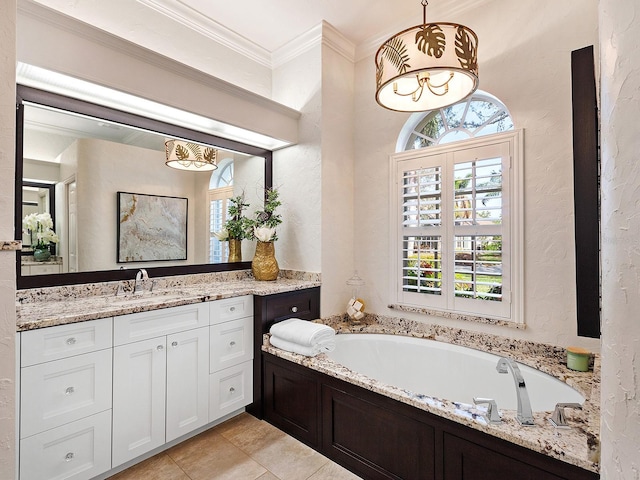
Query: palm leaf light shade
x=190 y=156
x=427 y=67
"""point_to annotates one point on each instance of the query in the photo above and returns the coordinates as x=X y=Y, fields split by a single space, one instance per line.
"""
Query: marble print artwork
x=151 y=228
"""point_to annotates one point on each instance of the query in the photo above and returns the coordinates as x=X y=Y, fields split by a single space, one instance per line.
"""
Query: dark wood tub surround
x=375 y=436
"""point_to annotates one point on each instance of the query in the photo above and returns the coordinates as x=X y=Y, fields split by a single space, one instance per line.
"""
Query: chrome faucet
x=524 y=415
x=141 y=276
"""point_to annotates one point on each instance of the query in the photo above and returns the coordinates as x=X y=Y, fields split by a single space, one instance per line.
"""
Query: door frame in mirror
x=41 y=97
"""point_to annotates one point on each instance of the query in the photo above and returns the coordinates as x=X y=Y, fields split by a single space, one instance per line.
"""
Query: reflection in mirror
x=84 y=162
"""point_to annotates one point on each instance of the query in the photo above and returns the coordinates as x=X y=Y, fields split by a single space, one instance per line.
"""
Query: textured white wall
x=297 y=170
x=620 y=429
x=524 y=59
x=338 y=223
x=7 y=258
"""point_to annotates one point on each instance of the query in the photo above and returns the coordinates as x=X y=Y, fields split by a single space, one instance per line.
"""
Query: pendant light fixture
x=427 y=67
x=190 y=156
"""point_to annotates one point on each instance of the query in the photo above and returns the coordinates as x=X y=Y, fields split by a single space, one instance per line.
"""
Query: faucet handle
x=492 y=416
x=558 y=419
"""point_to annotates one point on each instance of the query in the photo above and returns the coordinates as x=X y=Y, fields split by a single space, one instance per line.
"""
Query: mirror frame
x=41 y=97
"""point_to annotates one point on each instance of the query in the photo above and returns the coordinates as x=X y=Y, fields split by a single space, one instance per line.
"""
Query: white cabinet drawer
x=230 y=390
x=53 y=343
x=231 y=309
x=79 y=450
x=156 y=323
x=65 y=390
x=231 y=343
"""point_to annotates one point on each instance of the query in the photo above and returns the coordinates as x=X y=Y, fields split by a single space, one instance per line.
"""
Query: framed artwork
x=151 y=228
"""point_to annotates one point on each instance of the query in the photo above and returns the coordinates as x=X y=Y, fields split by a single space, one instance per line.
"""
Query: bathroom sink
x=134 y=299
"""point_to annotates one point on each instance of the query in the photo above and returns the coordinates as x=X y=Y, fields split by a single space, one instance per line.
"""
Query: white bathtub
x=446 y=371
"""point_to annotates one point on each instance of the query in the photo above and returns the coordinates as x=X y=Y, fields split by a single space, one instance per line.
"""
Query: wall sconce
x=190 y=156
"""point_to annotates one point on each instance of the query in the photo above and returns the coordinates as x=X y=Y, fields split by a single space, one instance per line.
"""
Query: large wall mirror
x=78 y=162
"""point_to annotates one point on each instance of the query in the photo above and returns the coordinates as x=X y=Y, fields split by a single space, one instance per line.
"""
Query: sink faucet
x=140 y=277
x=524 y=415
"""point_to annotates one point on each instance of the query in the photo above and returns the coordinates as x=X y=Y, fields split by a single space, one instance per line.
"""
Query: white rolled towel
x=303 y=332
x=306 y=350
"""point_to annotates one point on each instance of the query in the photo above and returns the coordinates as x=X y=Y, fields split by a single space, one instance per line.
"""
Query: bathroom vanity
x=108 y=381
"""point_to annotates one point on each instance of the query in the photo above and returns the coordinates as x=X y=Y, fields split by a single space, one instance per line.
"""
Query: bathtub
x=446 y=371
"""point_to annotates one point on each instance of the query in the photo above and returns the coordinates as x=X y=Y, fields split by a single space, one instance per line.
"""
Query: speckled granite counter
x=46 y=307
x=578 y=445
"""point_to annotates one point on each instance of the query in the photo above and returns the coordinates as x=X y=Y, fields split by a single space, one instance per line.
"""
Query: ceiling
x=264 y=25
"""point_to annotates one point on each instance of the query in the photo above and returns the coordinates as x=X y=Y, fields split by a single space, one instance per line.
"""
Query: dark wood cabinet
x=377 y=437
x=373 y=441
x=464 y=460
x=291 y=402
x=267 y=310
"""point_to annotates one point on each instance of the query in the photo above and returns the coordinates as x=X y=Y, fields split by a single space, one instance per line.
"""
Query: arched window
x=480 y=114
x=457 y=213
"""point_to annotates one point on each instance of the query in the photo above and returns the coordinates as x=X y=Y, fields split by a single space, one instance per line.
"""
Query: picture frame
x=151 y=228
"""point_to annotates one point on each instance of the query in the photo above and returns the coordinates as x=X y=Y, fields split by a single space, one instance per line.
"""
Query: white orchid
x=40 y=224
x=222 y=235
x=37 y=221
x=264 y=234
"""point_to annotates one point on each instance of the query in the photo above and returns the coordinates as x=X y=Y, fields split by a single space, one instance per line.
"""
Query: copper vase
x=235 y=250
x=264 y=265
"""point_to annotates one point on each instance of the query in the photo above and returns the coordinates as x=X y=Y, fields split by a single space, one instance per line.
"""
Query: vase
x=41 y=254
x=235 y=250
x=264 y=265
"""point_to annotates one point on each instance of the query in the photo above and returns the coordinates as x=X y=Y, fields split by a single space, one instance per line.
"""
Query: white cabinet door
x=78 y=450
x=187 y=381
x=139 y=381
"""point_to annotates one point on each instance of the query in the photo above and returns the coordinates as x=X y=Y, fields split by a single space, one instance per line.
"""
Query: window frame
x=511 y=143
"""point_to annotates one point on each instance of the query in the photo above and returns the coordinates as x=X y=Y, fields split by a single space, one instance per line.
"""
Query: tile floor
x=242 y=448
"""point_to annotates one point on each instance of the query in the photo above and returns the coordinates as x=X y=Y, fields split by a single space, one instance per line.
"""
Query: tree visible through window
x=479 y=115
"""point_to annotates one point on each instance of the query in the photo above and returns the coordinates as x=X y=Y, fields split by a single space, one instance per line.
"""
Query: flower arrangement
x=40 y=224
x=237 y=226
x=267 y=220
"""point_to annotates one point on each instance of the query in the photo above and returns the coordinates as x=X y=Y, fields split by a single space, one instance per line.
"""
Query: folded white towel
x=306 y=350
x=303 y=332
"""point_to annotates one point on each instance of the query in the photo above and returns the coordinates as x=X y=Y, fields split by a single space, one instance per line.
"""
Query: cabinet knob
x=69 y=391
x=174 y=344
x=294 y=309
x=160 y=347
x=69 y=456
x=232 y=343
x=71 y=341
x=231 y=389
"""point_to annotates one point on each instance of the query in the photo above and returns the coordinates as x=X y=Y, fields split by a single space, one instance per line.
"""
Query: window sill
x=457 y=316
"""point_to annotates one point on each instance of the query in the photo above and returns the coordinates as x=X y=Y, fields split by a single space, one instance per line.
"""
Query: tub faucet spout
x=524 y=415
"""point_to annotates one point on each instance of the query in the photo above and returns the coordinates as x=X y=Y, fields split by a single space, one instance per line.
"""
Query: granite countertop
x=46 y=307
x=29 y=260
x=578 y=445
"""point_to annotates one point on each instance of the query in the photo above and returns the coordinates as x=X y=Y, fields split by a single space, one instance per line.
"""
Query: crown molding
x=325 y=34
x=332 y=38
x=177 y=11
